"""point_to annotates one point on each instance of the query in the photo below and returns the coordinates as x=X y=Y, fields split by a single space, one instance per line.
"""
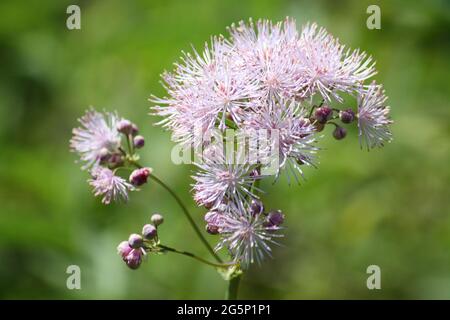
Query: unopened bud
x=274 y=219
x=139 y=141
x=125 y=126
x=123 y=249
x=135 y=241
x=347 y=116
x=139 y=176
x=256 y=207
x=157 y=219
x=323 y=114
x=149 y=231
x=212 y=229
x=134 y=259
x=134 y=129
x=339 y=133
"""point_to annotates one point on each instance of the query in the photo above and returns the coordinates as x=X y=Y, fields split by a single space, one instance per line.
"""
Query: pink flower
x=373 y=117
x=96 y=138
x=105 y=183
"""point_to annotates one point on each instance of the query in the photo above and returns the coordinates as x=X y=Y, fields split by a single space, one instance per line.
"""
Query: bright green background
x=387 y=207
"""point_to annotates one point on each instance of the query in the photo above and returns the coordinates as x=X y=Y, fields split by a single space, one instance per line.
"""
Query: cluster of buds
x=99 y=143
x=324 y=115
x=131 y=130
x=136 y=248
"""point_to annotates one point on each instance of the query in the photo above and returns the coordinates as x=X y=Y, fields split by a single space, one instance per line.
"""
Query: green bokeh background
x=387 y=207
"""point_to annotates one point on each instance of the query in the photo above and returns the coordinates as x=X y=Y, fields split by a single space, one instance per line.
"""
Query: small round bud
x=212 y=229
x=274 y=219
x=339 y=133
x=123 y=249
x=207 y=205
x=149 y=231
x=124 y=126
x=256 y=207
x=347 y=116
x=135 y=241
x=134 y=259
x=157 y=219
x=323 y=114
x=139 y=176
x=134 y=129
x=138 y=141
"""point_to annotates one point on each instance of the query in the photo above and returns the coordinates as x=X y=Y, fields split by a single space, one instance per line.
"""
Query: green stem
x=233 y=286
x=189 y=254
x=185 y=211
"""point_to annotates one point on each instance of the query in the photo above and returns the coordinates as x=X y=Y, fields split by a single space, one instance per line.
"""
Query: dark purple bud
x=347 y=116
x=256 y=207
x=125 y=126
x=134 y=259
x=339 y=133
x=123 y=249
x=139 y=176
x=134 y=129
x=157 y=219
x=323 y=114
x=135 y=241
x=274 y=219
x=212 y=229
x=207 y=205
x=149 y=231
x=139 y=141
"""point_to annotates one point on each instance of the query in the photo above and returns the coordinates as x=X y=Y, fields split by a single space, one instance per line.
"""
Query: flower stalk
x=185 y=211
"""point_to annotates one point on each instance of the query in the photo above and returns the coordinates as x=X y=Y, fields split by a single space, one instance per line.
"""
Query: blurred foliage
x=387 y=207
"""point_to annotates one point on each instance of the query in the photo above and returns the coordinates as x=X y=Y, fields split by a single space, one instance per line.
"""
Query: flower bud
x=139 y=176
x=339 y=133
x=149 y=231
x=134 y=259
x=212 y=229
x=256 y=207
x=274 y=219
x=135 y=241
x=124 y=126
x=134 y=129
x=123 y=249
x=323 y=114
x=157 y=219
x=139 y=141
x=347 y=116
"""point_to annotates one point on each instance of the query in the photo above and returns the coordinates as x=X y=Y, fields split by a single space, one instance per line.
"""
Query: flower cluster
x=272 y=79
x=134 y=251
x=99 y=144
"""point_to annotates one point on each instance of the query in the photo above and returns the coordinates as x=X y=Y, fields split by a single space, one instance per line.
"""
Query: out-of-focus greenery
x=387 y=207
